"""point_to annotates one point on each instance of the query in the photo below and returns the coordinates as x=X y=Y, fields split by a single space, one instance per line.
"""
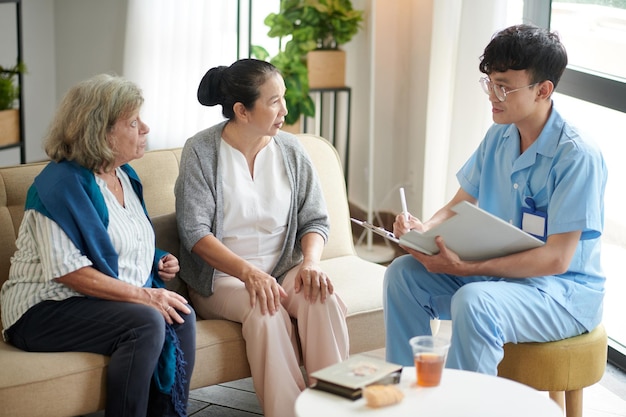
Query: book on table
x=472 y=233
x=349 y=377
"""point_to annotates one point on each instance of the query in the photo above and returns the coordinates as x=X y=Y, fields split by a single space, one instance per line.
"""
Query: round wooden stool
x=567 y=365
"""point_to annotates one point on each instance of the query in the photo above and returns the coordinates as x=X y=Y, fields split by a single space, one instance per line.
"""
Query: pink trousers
x=271 y=340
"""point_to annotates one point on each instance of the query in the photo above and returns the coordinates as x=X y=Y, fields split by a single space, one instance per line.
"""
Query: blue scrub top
x=565 y=175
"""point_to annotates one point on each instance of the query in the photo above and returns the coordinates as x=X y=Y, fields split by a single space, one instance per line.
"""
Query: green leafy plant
x=308 y=25
x=315 y=24
x=9 y=90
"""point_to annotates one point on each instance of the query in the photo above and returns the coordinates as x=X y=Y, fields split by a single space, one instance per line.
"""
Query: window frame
x=593 y=87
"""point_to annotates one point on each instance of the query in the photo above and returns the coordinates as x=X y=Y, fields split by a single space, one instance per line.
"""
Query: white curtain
x=170 y=44
x=458 y=112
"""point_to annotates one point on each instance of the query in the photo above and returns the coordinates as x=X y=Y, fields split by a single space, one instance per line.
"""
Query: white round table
x=461 y=393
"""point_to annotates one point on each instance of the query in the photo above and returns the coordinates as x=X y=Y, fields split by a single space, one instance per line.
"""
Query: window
x=606 y=133
x=593 y=32
x=593 y=93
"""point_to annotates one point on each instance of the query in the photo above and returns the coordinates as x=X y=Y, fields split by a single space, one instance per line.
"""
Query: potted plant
x=313 y=27
x=9 y=115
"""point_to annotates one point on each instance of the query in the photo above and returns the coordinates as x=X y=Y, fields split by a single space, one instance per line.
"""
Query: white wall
x=39 y=81
x=398 y=75
x=89 y=39
x=64 y=41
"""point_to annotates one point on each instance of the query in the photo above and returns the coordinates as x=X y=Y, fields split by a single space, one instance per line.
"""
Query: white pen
x=405 y=210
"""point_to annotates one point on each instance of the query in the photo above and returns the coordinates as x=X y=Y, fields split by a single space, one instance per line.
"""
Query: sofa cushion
x=328 y=166
x=359 y=284
x=14 y=183
x=158 y=171
x=220 y=353
x=36 y=384
x=220 y=357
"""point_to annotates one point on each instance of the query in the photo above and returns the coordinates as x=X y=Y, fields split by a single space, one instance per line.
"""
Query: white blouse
x=255 y=207
x=45 y=252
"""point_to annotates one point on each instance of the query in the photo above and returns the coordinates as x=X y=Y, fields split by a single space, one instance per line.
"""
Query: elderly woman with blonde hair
x=86 y=275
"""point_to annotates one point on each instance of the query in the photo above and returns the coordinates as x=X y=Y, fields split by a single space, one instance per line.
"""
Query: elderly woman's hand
x=169 y=303
x=314 y=282
x=264 y=289
x=168 y=267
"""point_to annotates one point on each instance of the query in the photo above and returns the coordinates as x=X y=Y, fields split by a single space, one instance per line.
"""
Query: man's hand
x=401 y=225
x=444 y=262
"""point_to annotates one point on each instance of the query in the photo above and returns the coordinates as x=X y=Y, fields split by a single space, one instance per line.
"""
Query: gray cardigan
x=200 y=205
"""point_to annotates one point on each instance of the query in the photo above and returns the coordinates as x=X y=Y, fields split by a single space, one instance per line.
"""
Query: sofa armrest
x=328 y=166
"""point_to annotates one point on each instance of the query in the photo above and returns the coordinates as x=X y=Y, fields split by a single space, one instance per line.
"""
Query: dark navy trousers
x=132 y=335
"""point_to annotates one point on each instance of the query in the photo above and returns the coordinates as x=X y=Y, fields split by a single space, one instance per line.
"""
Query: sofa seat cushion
x=59 y=383
x=70 y=382
x=359 y=284
x=220 y=353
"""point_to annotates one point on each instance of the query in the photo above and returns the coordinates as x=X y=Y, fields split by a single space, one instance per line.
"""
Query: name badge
x=534 y=222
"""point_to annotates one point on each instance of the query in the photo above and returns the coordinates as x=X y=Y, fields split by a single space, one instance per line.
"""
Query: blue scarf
x=68 y=194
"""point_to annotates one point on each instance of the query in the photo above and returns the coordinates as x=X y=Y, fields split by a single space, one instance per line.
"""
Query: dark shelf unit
x=20 y=80
x=329 y=102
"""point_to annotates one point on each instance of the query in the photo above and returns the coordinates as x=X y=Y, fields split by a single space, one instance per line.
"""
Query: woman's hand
x=401 y=225
x=91 y=282
x=265 y=289
x=168 y=267
x=314 y=282
x=169 y=303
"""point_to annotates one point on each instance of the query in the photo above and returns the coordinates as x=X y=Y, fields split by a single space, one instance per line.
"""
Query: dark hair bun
x=209 y=91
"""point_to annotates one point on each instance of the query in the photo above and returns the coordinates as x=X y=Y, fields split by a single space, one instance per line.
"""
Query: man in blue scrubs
x=534 y=169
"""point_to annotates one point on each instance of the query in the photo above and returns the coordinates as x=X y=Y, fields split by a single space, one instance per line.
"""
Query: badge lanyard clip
x=534 y=222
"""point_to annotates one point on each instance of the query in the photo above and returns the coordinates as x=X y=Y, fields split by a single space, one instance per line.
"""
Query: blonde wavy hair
x=86 y=115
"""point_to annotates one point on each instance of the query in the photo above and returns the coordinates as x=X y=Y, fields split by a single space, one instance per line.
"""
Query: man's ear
x=546 y=88
x=240 y=111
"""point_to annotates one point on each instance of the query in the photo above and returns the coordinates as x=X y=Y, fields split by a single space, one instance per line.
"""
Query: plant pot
x=327 y=69
x=9 y=127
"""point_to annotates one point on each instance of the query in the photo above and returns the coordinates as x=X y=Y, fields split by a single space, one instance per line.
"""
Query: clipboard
x=473 y=234
x=376 y=229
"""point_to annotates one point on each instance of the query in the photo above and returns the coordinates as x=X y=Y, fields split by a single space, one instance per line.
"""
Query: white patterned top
x=45 y=252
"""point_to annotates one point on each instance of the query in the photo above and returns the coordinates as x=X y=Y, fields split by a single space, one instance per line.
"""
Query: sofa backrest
x=14 y=183
x=158 y=171
x=330 y=171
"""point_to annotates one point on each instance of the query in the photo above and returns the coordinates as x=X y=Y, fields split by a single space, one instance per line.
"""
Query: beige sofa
x=71 y=384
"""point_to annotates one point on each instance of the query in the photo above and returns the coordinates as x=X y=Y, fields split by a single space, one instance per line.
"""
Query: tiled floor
x=237 y=399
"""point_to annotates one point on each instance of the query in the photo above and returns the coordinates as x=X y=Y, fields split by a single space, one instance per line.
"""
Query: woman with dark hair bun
x=253 y=222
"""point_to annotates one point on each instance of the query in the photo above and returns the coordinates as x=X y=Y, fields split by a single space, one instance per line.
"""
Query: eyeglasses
x=499 y=90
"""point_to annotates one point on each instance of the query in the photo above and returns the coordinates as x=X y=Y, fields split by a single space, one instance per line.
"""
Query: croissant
x=382 y=395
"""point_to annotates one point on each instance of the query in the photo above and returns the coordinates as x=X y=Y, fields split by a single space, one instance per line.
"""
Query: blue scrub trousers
x=486 y=313
x=131 y=334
